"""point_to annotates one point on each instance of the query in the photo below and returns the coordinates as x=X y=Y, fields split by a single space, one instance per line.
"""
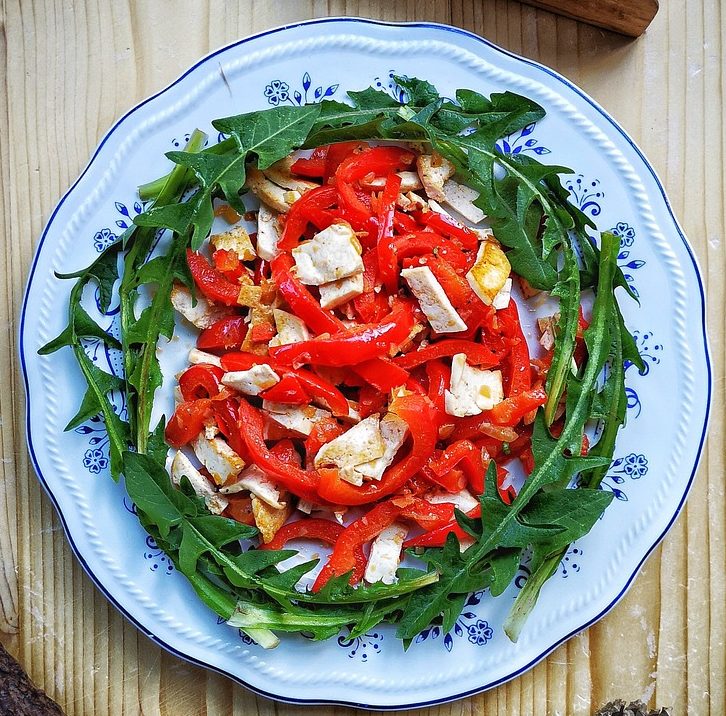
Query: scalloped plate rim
x=706 y=355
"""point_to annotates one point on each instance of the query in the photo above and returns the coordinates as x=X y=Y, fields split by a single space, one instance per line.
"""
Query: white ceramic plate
x=656 y=453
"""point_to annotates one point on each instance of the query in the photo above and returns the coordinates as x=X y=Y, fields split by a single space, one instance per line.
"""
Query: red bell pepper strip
x=506 y=414
x=380 y=161
x=289 y=390
x=212 y=283
x=370 y=305
x=356 y=534
x=226 y=334
x=429 y=515
x=450 y=227
x=520 y=369
x=387 y=266
x=240 y=509
x=350 y=347
x=200 y=381
x=284 y=450
x=420 y=415
x=511 y=410
x=456 y=287
x=262 y=270
x=476 y=354
x=468 y=457
x=439 y=375
x=187 y=421
x=323 y=432
x=404 y=223
x=317 y=529
x=301 y=301
x=318 y=388
x=225 y=414
x=312 y=166
x=507 y=494
x=251 y=427
x=336 y=154
x=228 y=263
x=452 y=481
x=312 y=203
x=437 y=537
x=262 y=332
x=370 y=400
x=383 y=373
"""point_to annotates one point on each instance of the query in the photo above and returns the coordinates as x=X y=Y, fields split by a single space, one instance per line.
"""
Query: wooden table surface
x=70 y=68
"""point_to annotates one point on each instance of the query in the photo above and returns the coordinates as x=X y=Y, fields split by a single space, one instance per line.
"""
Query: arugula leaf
x=455 y=578
x=270 y=134
x=103 y=271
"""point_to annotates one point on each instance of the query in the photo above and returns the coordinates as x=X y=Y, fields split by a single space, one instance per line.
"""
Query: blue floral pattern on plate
x=278 y=92
x=469 y=624
x=362 y=647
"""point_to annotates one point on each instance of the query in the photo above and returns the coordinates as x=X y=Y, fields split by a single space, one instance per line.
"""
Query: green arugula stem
x=600 y=316
x=173 y=187
x=153 y=189
x=605 y=447
x=568 y=289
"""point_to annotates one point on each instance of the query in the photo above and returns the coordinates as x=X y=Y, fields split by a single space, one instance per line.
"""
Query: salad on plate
x=362 y=280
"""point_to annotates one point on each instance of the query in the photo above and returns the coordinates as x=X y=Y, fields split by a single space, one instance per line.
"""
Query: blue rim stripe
x=530 y=664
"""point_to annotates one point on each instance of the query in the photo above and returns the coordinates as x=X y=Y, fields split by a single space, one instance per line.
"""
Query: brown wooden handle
x=628 y=17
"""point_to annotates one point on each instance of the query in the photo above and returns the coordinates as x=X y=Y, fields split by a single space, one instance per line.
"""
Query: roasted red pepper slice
x=200 y=381
x=187 y=421
x=301 y=301
x=450 y=227
x=439 y=377
x=404 y=224
x=228 y=263
x=240 y=509
x=323 y=432
x=468 y=457
x=520 y=368
x=437 y=537
x=318 y=388
x=317 y=529
x=380 y=161
x=311 y=204
x=226 y=334
x=285 y=451
x=351 y=347
x=511 y=410
x=212 y=283
x=289 y=390
x=226 y=413
x=370 y=306
x=387 y=266
x=420 y=415
x=382 y=373
x=370 y=400
x=251 y=427
x=337 y=153
x=262 y=332
x=353 y=537
x=506 y=414
x=452 y=481
x=429 y=515
x=476 y=354
x=312 y=166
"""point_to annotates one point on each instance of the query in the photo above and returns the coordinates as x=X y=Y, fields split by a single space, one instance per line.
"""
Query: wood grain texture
x=69 y=69
x=628 y=17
